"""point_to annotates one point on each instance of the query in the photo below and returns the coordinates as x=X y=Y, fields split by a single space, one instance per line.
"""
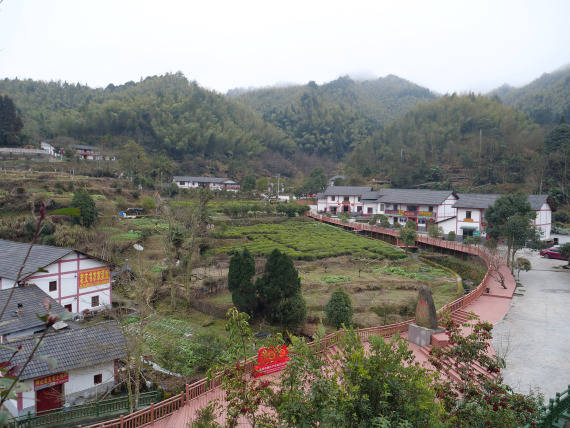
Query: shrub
x=83 y=201
x=344 y=216
x=121 y=203
x=451 y=236
x=339 y=310
x=434 y=231
x=148 y=203
x=561 y=217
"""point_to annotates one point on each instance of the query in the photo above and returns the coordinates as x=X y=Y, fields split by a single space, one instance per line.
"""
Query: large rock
x=426 y=316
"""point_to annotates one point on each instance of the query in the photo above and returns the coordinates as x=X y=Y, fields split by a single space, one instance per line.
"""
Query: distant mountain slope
x=165 y=114
x=545 y=99
x=444 y=135
x=332 y=118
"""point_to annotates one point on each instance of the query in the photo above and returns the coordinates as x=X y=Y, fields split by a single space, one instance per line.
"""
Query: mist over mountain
x=545 y=99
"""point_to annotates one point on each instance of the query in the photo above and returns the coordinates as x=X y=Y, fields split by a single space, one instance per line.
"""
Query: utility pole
x=480 y=144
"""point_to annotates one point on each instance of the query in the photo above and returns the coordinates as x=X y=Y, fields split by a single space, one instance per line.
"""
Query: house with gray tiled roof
x=471 y=213
x=73 y=364
x=337 y=199
x=74 y=279
x=214 y=183
x=20 y=318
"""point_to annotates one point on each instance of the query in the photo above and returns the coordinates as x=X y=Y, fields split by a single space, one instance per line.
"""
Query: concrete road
x=534 y=336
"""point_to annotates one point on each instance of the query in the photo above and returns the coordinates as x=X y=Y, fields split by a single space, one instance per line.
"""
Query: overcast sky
x=445 y=45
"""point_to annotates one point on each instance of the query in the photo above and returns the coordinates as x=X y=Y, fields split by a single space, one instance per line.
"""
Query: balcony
x=428 y=214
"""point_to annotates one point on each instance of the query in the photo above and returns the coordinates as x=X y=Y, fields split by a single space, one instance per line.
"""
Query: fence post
x=152 y=412
x=187 y=393
x=122 y=422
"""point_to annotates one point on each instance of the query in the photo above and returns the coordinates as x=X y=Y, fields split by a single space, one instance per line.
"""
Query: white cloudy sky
x=445 y=45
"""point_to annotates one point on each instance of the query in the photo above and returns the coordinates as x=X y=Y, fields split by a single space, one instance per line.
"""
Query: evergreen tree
x=240 y=284
x=86 y=204
x=339 y=309
x=280 y=282
x=10 y=122
x=248 y=183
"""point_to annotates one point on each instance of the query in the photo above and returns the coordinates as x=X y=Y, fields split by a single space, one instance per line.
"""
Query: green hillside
x=437 y=138
x=545 y=99
x=333 y=118
x=167 y=114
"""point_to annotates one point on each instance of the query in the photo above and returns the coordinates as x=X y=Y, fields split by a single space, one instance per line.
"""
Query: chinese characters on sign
x=90 y=278
x=51 y=380
x=271 y=360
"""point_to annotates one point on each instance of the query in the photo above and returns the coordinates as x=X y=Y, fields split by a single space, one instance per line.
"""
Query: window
x=182 y=183
x=53 y=286
x=94 y=301
x=412 y=208
x=97 y=379
x=430 y=208
x=395 y=206
x=369 y=210
x=467 y=214
x=382 y=207
x=332 y=198
x=69 y=307
x=346 y=198
x=359 y=209
x=359 y=199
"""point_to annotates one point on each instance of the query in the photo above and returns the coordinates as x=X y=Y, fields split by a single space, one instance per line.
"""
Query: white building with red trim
x=471 y=213
x=213 y=183
x=338 y=199
x=75 y=280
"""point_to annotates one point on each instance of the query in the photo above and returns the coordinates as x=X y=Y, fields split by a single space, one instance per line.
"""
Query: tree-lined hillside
x=474 y=135
x=545 y=99
x=166 y=114
x=333 y=118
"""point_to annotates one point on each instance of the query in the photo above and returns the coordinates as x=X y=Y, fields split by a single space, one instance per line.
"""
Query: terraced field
x=303 y=240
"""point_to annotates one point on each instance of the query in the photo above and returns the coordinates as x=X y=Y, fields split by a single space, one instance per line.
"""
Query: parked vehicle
x=553 y=253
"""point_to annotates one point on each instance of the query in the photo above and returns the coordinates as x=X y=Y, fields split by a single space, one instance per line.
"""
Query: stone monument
x=426 y=319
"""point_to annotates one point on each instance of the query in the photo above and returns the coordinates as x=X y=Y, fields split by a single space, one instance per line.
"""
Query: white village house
x=471 y=213
x=337 y=199
x=214 y=183
x=75 y=280
x=85 y=358
x=460 y=213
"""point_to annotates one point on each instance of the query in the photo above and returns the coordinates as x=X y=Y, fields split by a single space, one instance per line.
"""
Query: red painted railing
x=155 y=412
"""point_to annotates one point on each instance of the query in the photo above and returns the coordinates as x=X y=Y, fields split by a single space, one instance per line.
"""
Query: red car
x=552 y=253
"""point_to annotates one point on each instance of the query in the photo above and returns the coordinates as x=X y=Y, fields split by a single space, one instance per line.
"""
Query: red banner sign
x=51 y=380
x=271 y=360
x=92 y=277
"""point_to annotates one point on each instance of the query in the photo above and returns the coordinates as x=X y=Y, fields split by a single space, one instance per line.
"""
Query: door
x=49 y=398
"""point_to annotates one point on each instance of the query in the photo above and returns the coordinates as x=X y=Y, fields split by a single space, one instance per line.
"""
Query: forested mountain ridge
x=166 y=114
x=545 y=99
x=475 y=136
x=333 y=118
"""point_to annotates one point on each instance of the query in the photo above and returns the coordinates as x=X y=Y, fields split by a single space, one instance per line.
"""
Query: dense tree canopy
x=10 y=122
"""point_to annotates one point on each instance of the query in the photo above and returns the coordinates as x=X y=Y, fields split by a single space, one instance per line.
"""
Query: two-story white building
x=73 y=279
x=418 y=205
x=471 y=213
x=338 y=199
x=214 y=183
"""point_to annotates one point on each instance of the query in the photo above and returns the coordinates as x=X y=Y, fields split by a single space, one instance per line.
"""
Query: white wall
x=477 y=216
x=80 y=385
x=543 y=221
x=336 y=201
x=65 y=272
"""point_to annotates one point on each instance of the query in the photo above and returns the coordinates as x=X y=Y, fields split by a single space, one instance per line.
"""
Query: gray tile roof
x=12 y=255
x=414 y=196
x=537 y=201
x=346 y=190
x=481 y=200
x=371 y=196
x=202 y=179
x=31 y=298
x=476 y=200
x=71 y=348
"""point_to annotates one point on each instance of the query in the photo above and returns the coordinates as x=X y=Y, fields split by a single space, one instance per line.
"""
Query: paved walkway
x=534 y=337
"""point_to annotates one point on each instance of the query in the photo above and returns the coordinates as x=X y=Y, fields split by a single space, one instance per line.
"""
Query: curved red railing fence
x=167 y=407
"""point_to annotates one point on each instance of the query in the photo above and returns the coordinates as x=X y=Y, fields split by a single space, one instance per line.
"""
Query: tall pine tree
x=240 y=284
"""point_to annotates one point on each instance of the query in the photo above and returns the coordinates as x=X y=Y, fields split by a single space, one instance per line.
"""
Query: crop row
x=304 y=240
